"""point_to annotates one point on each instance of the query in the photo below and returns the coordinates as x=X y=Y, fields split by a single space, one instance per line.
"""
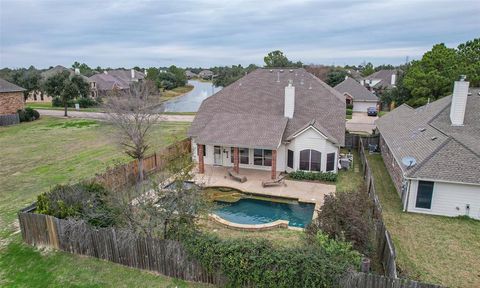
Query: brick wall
x=392 y=166
x=10 y=102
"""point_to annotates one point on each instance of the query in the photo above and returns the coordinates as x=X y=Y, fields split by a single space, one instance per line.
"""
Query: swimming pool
x=260 y=211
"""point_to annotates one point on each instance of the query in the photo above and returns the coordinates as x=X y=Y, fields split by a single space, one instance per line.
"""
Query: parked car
x=372 y=111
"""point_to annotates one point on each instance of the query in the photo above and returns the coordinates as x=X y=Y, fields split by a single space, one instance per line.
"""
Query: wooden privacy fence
x=166 y=257
x=9 y=119
x=124 y=174
x=352 y=141
x=383 y=241
x=363 y=280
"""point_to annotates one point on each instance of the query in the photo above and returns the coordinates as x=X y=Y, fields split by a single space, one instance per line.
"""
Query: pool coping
x=278 y=224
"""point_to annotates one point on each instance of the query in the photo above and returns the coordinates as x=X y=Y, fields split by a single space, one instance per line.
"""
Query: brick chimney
x=459 y=101
x=289 y=108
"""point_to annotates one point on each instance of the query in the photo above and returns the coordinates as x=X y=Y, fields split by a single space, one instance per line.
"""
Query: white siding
x=361 y=106
x=311 y=139
x=449 y=199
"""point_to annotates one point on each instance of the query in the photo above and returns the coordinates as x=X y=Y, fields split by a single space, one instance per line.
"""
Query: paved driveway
x=361 y=122
x=104 y=116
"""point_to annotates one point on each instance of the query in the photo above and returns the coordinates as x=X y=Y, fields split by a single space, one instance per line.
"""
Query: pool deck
x=303 y=191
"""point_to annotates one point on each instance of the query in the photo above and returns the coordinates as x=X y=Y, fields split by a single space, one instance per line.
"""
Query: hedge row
x=257 y=263
x=83 y=102
x=314 y=176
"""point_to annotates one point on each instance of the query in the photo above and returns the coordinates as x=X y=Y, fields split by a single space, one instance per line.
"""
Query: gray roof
x=204 y=73
x=59 y=69
x=190 y=73
x=6 y=86
x=356 y=90
x=115 y=78
x=259 y=99
x=443 y=152
x=385 y=77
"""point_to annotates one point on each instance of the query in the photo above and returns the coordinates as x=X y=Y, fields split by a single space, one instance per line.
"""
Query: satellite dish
x=409 y=161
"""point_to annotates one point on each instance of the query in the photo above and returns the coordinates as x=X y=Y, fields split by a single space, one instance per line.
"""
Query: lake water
x=191 y=101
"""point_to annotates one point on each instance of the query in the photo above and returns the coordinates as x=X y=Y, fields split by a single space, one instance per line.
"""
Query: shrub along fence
x=383 y=242
x=166 y=257
x=122 y=175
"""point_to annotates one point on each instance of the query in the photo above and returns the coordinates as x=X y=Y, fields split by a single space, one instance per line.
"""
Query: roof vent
x=271 y=70
x=302 y=81
x=433 y=138
x=291 y=70
x=281 y=70
x=422 y=129
x=409 y=161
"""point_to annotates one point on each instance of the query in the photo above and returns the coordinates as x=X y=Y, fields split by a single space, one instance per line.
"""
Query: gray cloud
x=207 y=32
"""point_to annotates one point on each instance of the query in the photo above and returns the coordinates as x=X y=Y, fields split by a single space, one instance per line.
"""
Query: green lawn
x=48 y=106
x=351 y=179
x=432 y=249
x=37 y=155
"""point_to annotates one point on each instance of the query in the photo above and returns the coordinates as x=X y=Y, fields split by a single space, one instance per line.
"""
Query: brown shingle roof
x=237 y=130
x=453 y=155
x=356 y=90
x=259 y=97
x=6 y=86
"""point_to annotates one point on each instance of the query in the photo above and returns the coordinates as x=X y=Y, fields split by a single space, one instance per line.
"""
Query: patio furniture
x=372 y=148
x=236 y=176
x=279 y=181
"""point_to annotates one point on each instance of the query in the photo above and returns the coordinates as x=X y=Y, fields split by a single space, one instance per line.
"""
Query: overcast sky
x=127 y=33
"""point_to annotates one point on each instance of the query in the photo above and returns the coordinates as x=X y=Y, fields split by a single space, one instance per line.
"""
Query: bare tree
x=132 y=112
x=168 y=203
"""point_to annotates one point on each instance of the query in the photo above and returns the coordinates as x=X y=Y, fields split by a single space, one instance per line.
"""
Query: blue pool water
x=255 y=211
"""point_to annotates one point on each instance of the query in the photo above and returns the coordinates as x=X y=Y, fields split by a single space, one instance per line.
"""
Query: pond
x=191 y=101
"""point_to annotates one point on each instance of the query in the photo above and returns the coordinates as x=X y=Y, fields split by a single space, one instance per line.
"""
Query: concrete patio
x=308 y=192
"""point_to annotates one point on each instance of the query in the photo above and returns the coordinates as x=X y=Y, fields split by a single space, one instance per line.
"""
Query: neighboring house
x=433 y=153
x=205 y=74
x=40 y=96
x=102 y=83
x=11 y=100
x=380 y=80
x=356 y=94
x=276 y=120
x=190 y=74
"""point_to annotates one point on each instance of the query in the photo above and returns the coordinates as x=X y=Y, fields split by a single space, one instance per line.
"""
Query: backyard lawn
x=433 y=249
x=37 y=155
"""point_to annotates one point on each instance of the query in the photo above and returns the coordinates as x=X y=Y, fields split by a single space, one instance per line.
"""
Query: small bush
x=313 y=176
x=340 y=221
x=350 y=106
x=87 y=102
x=349 y=111
x=257 y=263
x=28 y=114
x=85 y=201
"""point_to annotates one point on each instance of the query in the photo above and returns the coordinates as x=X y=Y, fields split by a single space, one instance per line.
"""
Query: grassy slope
x=38 y=155
x=432 y=249
x=169 y=94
